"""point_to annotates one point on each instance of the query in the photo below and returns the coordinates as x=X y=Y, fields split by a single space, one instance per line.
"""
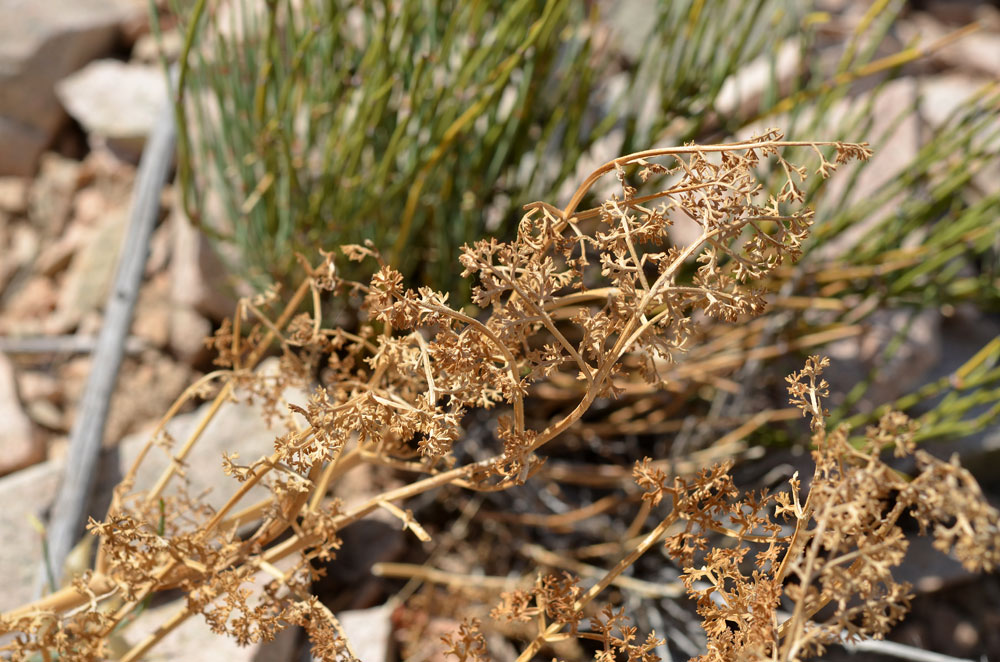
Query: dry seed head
x=575 y=293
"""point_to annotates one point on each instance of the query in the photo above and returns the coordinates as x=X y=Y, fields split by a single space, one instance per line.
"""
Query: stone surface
x=42 y=396
x=91 y=272
x=895 y=137
x=941 y=97
x=56 y=256
x=115 y=102
x=149 y=48
x=895 y=141
x=197 y=273
x=38 y=385
x=50 y=199
x=741 y=93
x=194 y=640
x=25 y=494
x=975 y=52
x=41 y=43
x=151 y=320
x=187 y=332
x=369 y=632
x=19 y=244
x=147 y=386
x=906 y=370
x=28 y=307
x=20 y=445
x=14 y=194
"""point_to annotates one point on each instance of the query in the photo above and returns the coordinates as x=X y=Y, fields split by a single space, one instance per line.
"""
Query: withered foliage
x=775 y=576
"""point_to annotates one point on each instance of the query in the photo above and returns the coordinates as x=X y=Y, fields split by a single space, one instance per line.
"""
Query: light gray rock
x=741 y=93
x=25 y=494
x=237 y=427
x=895 y=138
x=369 y=632
x=20 y=446
x=194 y=640
x=19 y=245
x=117 y=103
x=41 y=43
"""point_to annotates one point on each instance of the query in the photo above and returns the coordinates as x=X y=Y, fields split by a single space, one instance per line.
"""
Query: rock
x=152 y=317
x=369 y=632
x=22 y=146
x=90 y=274
x=906 y=370
x=57 y=255
x=975 y=52
x=895 y=139
x=927 y=569
x=51 y=197
x=116 y=102
x=146 y=388
x=89 y=206
x=423 y=641
x=42 y=395
x=198 y=276
x=37 y=385
x=603 y=149
x=14 y=195
x=741 y=93
x=19 y=245
x=28 y=307
x=159 y=250
x=47 y=415
x=188 y=331
x=942 y=96
x=40 y=44
x=236 y=427
x=25 y=494
x=149 y=49
x=194 y=640
x=21 y=444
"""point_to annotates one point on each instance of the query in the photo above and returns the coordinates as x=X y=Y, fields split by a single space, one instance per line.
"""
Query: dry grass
x=577 y=295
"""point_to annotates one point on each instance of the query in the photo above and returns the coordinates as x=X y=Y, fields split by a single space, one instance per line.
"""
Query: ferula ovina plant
x=573 y=296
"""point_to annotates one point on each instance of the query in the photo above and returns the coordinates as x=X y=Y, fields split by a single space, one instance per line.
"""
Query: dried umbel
x=761 y=567
x=575 y=294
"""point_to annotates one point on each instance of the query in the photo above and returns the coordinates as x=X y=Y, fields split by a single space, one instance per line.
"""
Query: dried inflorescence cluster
x=747 y=559
x=575 y=294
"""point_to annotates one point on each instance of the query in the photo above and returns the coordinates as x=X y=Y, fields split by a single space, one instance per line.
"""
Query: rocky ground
x=80 y=86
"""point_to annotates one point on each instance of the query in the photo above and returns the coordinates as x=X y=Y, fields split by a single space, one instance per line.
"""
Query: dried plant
x=573 y=296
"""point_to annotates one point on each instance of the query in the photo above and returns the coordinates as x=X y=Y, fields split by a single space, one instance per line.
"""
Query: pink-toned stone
x=14 y=194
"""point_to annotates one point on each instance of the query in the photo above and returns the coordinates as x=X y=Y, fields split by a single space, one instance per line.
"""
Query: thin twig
x=73 y=498
x=63 y=344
